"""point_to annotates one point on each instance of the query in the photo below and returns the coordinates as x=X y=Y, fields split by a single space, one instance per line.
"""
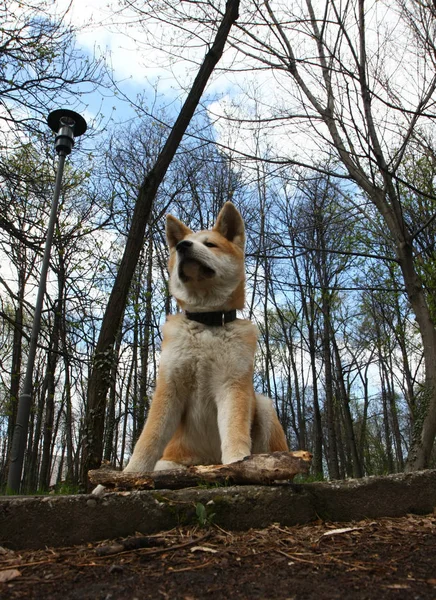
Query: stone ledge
x=39 y=521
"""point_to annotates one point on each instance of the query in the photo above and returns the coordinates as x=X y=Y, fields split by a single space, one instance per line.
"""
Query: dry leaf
x=9 y=575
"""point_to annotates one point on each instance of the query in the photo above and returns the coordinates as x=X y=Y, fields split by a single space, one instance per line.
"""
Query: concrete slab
x=39 y=521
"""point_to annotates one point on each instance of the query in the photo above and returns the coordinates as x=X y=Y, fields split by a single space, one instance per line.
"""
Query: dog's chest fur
x=202 y=362
x=200 y=359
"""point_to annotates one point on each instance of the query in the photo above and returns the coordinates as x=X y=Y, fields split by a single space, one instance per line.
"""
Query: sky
x=139 y=69
x=136 y=69
x=103 y=29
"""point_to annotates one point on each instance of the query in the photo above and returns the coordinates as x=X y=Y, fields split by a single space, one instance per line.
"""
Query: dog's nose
x=183 y=246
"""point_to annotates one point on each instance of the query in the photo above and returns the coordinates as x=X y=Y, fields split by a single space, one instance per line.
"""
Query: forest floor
x=382 y=558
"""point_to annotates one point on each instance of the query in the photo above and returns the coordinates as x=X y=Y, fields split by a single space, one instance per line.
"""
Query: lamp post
x=67 y=125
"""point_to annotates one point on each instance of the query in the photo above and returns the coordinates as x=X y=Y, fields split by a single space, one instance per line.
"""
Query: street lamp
x=67 y=125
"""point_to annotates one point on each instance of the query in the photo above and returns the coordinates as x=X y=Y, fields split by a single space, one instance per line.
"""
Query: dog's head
x=206 y=268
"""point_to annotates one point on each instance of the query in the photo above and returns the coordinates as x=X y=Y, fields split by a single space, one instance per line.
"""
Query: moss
x=206 y=485
x=221 y=500
x=182 y=513
x=162 y=499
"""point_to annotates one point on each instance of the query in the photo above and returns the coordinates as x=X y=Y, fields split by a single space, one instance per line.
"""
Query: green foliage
x=66 y=488
x=205 y=518
x=310 y=478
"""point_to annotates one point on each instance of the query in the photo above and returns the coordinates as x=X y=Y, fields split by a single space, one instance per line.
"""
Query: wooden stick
x=257 y=469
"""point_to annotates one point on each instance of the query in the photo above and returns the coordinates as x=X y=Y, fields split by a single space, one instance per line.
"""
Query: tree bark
x=144 y=401
x=99 y=379
x=425 y=415
x=17 y=353
x=110 y=416
x=348 y=419
x=380 y=186
x=309 y=310
x=332 y=447
x=52 y=360
x=259 y=469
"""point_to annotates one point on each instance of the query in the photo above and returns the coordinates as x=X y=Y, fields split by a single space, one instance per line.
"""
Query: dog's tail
x=267 y=433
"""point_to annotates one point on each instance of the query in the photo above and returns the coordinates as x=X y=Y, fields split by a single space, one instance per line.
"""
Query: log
x=256 y=469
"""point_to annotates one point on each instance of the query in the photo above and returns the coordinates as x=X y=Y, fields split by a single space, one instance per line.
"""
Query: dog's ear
x=175 y=231
x=231 y=225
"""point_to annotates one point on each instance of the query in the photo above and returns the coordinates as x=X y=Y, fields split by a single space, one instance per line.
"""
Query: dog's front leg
x=235 y=406
x=163 y=418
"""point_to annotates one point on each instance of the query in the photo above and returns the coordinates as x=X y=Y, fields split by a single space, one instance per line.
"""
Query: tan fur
x=205 y=410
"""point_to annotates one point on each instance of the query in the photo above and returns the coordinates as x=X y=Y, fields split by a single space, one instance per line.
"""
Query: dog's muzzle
x=187 y=260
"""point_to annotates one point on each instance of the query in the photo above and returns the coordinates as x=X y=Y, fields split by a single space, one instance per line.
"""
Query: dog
x=204 y=409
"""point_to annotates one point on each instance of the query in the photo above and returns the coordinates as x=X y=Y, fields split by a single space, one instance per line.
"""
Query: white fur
x=205 y=362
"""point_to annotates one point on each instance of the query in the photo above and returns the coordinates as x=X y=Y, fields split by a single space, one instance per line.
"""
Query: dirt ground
x=385 y=558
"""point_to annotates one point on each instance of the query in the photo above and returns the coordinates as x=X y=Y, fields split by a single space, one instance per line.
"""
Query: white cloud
x=103 y=28
x=265 y=93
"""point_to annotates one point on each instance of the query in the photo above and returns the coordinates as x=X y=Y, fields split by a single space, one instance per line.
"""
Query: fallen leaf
x=9 y=575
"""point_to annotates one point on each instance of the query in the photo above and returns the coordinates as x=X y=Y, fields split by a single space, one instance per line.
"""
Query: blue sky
x=266 y=91
x=136 y=69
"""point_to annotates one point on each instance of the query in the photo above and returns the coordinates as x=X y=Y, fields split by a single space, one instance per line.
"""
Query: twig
x=151 y=552
x=191 y=568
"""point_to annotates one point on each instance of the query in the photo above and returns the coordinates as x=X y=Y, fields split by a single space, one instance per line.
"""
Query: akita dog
x=204 y=409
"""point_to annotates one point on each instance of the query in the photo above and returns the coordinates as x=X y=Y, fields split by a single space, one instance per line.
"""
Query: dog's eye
x=210 y=245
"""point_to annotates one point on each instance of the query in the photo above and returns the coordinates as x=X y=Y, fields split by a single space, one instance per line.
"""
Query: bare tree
x=40 y=64
x=98 y=384
x=335 y=60
x=337 y=77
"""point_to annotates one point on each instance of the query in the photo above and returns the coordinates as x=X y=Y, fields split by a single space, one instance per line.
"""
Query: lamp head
x=67 y=125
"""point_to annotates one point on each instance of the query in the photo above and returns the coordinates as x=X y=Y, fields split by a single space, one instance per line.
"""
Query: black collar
x=215 y=319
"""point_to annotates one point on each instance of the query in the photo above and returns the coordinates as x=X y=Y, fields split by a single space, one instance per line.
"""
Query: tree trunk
x=69 y=477
x=332 y=450
x=425 y=415
x=348 y=420
x=364 y=426
x=14 y=389
x=309 y=310
x=46 y=459
x=31 y=466
x=110 y=417
x=317 y=423
x=17 y=354
x=144 y=401
x=384 y=196
x=301 y=413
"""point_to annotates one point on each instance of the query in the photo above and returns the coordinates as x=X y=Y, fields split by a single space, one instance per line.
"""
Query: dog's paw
x=138 y=466
x=168 y=465
x=232 y=458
